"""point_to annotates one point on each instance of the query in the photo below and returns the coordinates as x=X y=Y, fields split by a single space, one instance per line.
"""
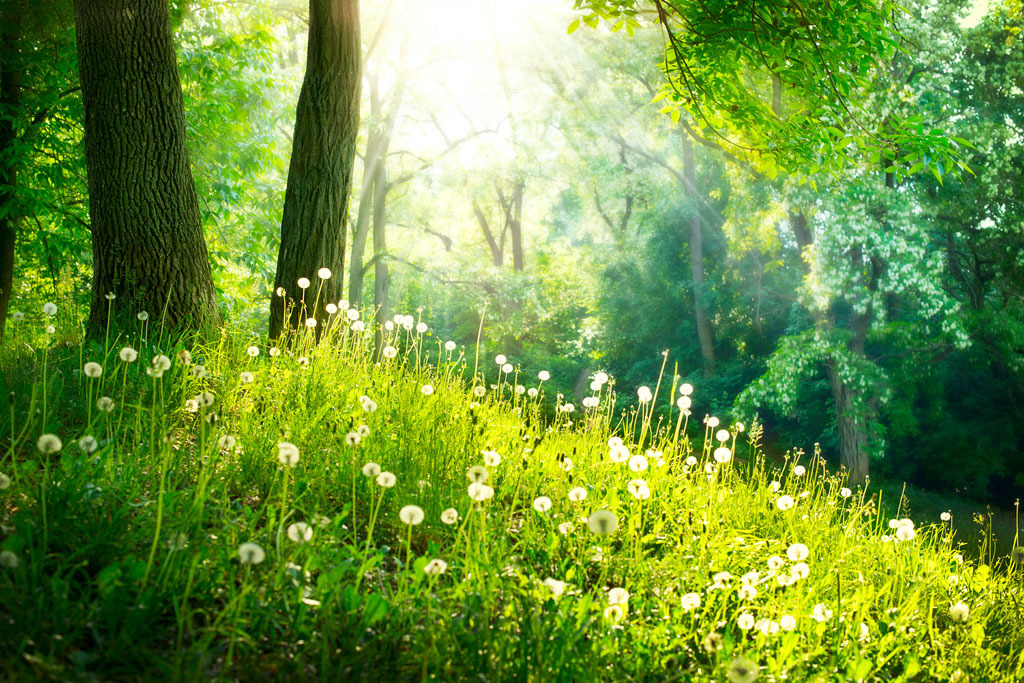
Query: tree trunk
x=707 y=346
x=853 y=452
x=320 y=172
x=381 y=277
x=10 y=101
x=515 y=223
x=496 y=252
x=147 y=235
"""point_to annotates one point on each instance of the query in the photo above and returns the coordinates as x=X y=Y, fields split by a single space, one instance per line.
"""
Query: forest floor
x=224 y=508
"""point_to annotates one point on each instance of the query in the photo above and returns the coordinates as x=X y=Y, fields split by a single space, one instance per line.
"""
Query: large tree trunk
x=320 y=171
x=10 y=101
x=381 y=277
x=853 y=438
x=147 y=236
x=514 y=210
x=707 y=345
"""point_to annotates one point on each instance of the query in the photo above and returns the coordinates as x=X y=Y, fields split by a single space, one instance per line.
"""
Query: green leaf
x=573 y=25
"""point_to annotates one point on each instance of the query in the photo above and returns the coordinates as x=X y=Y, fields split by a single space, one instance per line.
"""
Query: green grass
x=128 y=562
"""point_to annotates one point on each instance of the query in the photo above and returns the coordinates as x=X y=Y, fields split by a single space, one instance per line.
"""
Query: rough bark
x=147 y=237
x=320 y=171
x=707 y=346
x=10 y=100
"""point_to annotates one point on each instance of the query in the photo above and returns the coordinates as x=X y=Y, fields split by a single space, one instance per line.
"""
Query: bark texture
x=148 y=245
x=707 y=345
x=320 y=171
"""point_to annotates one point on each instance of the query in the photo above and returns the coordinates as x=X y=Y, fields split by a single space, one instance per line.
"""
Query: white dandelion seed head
x=478 y=474
x=577 y=494
x=507 y=368
x=690 y=601
x=274 y=352
x=618 y=596
x=821 y=612
x=685 y=389
x=386 y=480
x=205 y=399
x=945 y=516
x=787 y=622
x=227 y=442
x=110 y=296
x=5 y=482
x=601 y=378
x=797 y=552
x=520 y=389
x=541 y=503
x=303 y=283
x=435 y=567
x=449 y=346
x=722 y=435
x=568 y=408
x=253 y=351
x=331 y=309
x=556 y=587
x=421 y=328
x=745 y=621
x=246 y=377
x=128 y=354
x=88 y=444
x=199 y=371
x=784 y=502
x=92 y=370
x=544 y=375
x=105 y=404
x=637 y=463
x=310 y=323
x=411 y=515
x=352 y=439
x=595 y=386
x=683 y=403
x=300 y=532
x=566 y=464
x=603 y=522
x=49 y=443
x=532 y=392
x=450 y=516
x=250 y=553
x=619 y=452
x=352 y=314
x=799 y=470
x=480 y=492
x=324 y=273
x=500 y=359
x=644 y=395
x=371 y=469
x=491 y=458
x=712 y=422
x=723 y=455
x=960 y=613
x=50 y=308
x=799 y=571
x=427 y=389
x=845 y=492
x=8 y=559
x=363 y=431
x=389 y=352
x=565 y=528
x=288 y=454
x=192 y=405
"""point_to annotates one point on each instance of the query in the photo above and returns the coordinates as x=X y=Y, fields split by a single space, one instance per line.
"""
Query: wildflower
x=363 y=431
x=5 y=481
x=435 y=567
x=480 y=492
x=799 y=470
x=686 y=389
x=279 y=291
x=766 y=626
x=603 y=522
x=324 y=273
x=566 y=464
x=750 y=578
x=565 y=528
x=18 y=316
x=556 y=587
x=184 y=356
x=491 y=458
x=500 y=359
x=300 y=532
x=577 y=494
x=568 y=408
x=618 y=452
x=644 y=395
x=684 y=403
x=614 y=442
x=799 y=571
x=8 y=559
x=332 y=309
x=199 y=371
x=690 y=461
x=635 y=486
x=205 y=398
x=192 y=405
x=614 y=613
x=250 y=553
x=531 y=392
x=302 y=361
x=945 y=517
x=691 y=601
x=411 y=514
x=450 y=516
x=158 y=366
x=421 y=328
x=368 y=404
x=88 y=444
x=105 y=404
x=723 y=455
x=386 y=480
x=845 y=492
x=274 y=352
x=49 y=443
x=352 y=439
x=739 y=427
x=960 y=612
x=352 y=314
x=542 y=504
x=371 y=469
x=303 y=282
x=478 y=474
x=246 y=378
x=784 y=502
x=774 y=486
x=128 y=354
x=905 y=530
x=638 y=463
x=745 y=621
x=227 y=442
x=427 y=389
x=821 y=612
x=544 y=375
x=785 y=580
x=712 y=642
x=775 y=563
x=618 y=596
x=520 y=389
x=712 y=422
x=747 y=592
x=479 y=391
x=787 y=622
x=288 y=454
x=722 y=435
x=50 y=329
x=797 y=552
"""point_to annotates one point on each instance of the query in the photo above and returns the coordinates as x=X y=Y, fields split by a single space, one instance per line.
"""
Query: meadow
x=343 y=503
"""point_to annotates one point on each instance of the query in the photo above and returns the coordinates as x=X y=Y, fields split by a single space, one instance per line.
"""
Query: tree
x=148 y=245
x=314 y=220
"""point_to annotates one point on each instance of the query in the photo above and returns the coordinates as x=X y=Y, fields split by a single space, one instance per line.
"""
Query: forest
x=676 y=287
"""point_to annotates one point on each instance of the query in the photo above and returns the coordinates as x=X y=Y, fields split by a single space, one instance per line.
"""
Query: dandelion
x=421 y=328
x=556 y=587
x=905 y=530
x=745 y=621
x=158 y=366
x=723 y=455
x=542 y=504
x=105 y=404
x=205 y=398
x=643 y=394
x=288 y=454
x=618 y=452
x=199 y=371
x=300 y=532
x=386 y=480
x=500 y=359
x=352 y=439
x=491 y=458
x=332 y=309
x=945 y=517
x=690 y=461
x=532 y=392
x=566 y=464
x=352 y=314
x=784 y=502
x=427 y=389
x=435 y=567
x=192 y=405
x=303 y=282
x=603 y=522
x=18 y=316
x=480 y=492
x=88 y=444
x=544 y=375
x=614 y=613
x=712 y=642
x=227 y=442
x=691 y=601
x=638 y=463
x=799 y=571
x=618 y=596
x=787 y=622
x=577 y=494
x=411 y=515
x=479 y=391
x=684 y=403
x=450 y=516
x=371 y=469
x=246 y=378
x=8 y=559
x=722 y=435
x=274 y=352
x=845 y=492
x=310 y=323
x=5 y=482
x=685 y=389
x=520 y=389
x=635 y=485
x=712 y=422
x=797 y=552
x=775 y=563
x=565 y=528
x=49 y=443
x=128 y=354
x=799 y=470
x=821 y=613
x=324 y=273
x=747 y=592
x=774 y=486
x=478 y=474
x=250 y=553
x=507 y=368
x=960 y=613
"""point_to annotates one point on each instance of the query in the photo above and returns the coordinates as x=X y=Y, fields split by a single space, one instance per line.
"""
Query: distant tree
x=314 y=222
x=148 y=245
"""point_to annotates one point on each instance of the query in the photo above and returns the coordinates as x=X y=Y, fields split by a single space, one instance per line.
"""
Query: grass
x=131 y=561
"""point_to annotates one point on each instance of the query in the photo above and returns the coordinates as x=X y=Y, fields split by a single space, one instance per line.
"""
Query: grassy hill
x=192 y=508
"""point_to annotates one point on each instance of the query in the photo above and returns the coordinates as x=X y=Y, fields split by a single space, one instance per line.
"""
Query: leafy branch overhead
x=727 y=64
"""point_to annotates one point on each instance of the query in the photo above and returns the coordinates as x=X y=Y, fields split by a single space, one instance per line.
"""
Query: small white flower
x=303 y=282
x=300 y=532
x=253 y=351
x=578 y=494
x=92 y=370
x=288 y=454
x=544 y=375
x=386 y=480
x=88 y=444
x=960 y=612
x=8 y=559
x=371 y=469
x=449 y=346
x=49 y=443
x=324 y=273
x=638 y=463
x=50 y=309
x=105 y=404
x=435 y=567
x=128 y=354
x=797 y=552
x=450 y=516
x=542 y=504
x=411 y=515
x=427 y=389
x=644 y=395
x=556 y=587
x=691 y=601
x=603 y=522
x=618 y=596
x=491 y=458
x=250 y=553
x=784 y=502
